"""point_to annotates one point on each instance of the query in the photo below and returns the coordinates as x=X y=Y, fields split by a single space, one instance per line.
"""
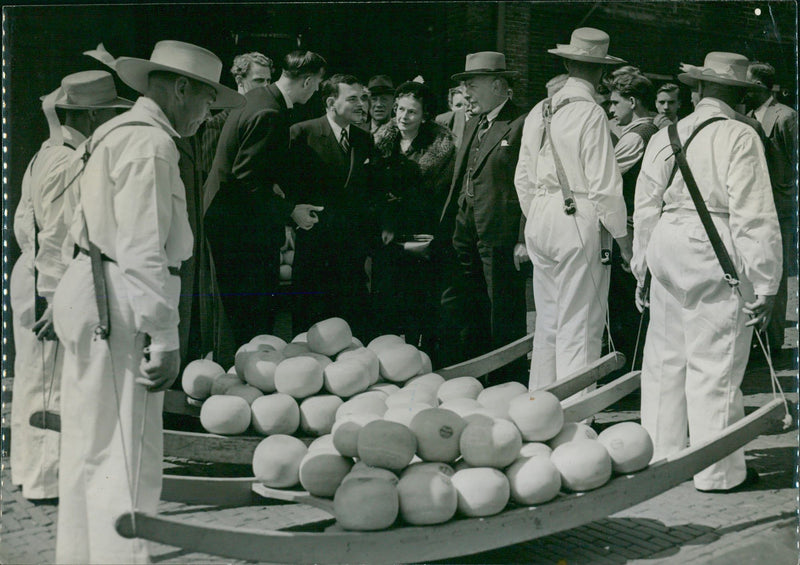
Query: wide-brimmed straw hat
x=485 y=63
x=722 y=68
x=181 y=58
x=588 y=45
x=88 y=90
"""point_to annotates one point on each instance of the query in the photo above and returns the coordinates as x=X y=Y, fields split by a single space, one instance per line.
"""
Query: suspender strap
x=566 y=191
x=723 y=257
x=688 y=141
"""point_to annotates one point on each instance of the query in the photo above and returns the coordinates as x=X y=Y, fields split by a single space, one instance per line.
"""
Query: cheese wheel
x=570 y=432
x=404 y=413
x=386 y=388
x=276 y=413
x=427 y=365
x=321 y=472
x=533 y=480
x=537 y=414
x=362 y=405
x=534 y=449
x=388 y=445
x=361 y=469
x=330 y=336
x=226 y=415
x=366 y=503
x=399 y=363
x=584 y=464
x=430 y=380
x=413 y=395
x=497 y=398
x=244 y=352
x=323 y=360
x=302 y=337
x=345 y=432
x=482 y=491
x=285 y=272
x=276 y=461
x=463 y=406
x=247 y=392
x=198 y=378
x=299 y=377
x=427 y=498
x=383 y=341
x=259 y=369
x=295 y=349
x=438 y=434
x=428 y=467
x=346 y=378
x=459 y=387
x=365 y=356
x=223 y=382
x=323 y=443
x=268 y=339
x=318 y=413
x=490 y=443
x=629 y=446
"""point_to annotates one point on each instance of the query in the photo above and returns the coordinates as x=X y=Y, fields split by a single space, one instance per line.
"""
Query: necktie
x=344 y=142
x=483 y=127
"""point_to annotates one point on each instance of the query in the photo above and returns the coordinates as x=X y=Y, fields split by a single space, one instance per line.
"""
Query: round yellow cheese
x=276 y=461
x=226 y=415
x=276 y=413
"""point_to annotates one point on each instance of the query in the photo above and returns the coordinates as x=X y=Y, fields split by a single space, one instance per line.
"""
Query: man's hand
x=641 y=298
x=626 y=249
x=305 y=215
x=759 y=311
x=278 y=191
x=387 y=237
x=520 y=255
x=43 y=328
x=160 y=371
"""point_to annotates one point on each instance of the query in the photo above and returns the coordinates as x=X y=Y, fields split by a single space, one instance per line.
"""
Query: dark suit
x=489 y=293
x=245 y=219
x=455 y=121
x=779 y=125
x=328 y=275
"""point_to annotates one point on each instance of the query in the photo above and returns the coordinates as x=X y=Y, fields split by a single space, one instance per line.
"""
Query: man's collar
x=579 y=84
x=289 y=103
x=494 y=112
x=154 y=111
x=761 y=110
x=337 y=129
x=714 y=105
x=635 y=122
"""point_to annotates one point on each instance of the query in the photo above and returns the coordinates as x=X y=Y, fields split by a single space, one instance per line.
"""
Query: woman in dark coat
x=414 y=169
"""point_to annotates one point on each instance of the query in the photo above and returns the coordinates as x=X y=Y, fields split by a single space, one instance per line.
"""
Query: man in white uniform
x=87 y=99
x=132 y=207
x=570 y=283
x=698 y=340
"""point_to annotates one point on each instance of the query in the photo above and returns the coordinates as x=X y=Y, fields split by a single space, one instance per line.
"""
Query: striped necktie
x=344 y=142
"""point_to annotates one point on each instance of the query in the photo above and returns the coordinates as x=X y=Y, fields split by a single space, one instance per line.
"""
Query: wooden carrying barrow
x=212 y=448
x=235 y=491
x=457 y=537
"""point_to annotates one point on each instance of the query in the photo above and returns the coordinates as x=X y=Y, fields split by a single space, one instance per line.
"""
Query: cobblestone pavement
x=681 y=526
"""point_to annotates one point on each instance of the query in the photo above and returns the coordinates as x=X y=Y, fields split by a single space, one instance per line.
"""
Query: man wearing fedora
x=487 y=295
x=701 y=325
x=245 y=218
x=381 y=101
x=131 y=219
x=574 y=160
x=85 y=100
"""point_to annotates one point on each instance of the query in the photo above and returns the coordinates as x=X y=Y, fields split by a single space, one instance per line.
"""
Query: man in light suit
x=779 y=123
x=329 y=160
x=245 y=216
x=488 y=294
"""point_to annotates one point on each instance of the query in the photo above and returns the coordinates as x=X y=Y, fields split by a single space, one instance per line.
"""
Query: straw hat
x=719 y=67
x=88 y=90
x=181 y=58
x=588 y=45
x=485 y=63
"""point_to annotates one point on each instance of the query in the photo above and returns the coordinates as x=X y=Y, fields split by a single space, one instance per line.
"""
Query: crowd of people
x=152 y=231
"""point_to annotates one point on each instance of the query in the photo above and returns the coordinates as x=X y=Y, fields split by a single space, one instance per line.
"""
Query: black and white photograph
x=458 y=282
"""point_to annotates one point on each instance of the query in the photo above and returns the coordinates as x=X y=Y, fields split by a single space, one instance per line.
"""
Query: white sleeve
x=650 y=188
x=525 y=174
x=628 y=151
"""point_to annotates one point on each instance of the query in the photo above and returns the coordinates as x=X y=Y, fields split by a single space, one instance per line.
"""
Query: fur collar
x=435 y=140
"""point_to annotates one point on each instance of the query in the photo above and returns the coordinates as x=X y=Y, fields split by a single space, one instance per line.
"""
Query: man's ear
x=181 y=88
x=329 y=101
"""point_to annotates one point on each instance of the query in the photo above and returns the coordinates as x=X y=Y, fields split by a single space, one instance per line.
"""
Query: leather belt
x=174 y=271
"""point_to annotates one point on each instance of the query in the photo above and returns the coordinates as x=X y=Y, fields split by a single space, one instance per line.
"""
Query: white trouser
x=570 y=287
x=102 y=408
x=697 y=346
x=37 y=387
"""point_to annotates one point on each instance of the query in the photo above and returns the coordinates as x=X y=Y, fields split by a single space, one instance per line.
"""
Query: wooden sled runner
x=237 y=491
x=201 y=446
x=458 y=537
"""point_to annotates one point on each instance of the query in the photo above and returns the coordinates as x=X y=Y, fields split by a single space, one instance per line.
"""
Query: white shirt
x=761 y=110
x=492 y=114
x=134 y=203
x=630 y=147
x=337 y=129
x=582 y=138
x=728 y=163
x=46 y=177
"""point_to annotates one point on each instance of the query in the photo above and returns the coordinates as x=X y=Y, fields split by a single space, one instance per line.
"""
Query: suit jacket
x=780 y=127
x=455 y=122
x=324 y=176
x=250 y=158
x=498 y=216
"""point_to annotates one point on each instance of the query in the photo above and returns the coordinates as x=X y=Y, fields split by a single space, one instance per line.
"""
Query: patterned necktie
x=483 y=127
x=344 y=142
